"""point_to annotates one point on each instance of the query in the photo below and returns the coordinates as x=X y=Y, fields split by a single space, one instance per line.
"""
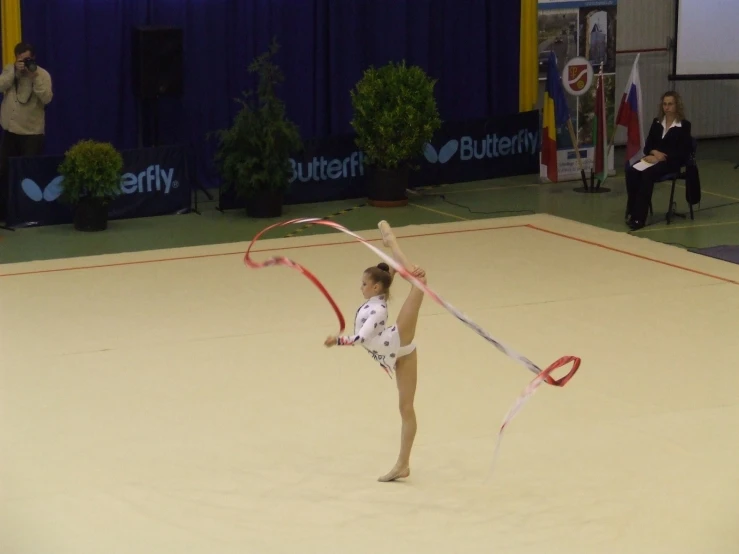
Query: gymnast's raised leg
x=406 y=369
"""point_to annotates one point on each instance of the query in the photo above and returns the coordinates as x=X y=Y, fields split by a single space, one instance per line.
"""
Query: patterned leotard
x=372 y=333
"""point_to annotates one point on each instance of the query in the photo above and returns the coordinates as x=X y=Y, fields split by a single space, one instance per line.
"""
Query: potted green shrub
x=91 y=173
x=253 y=155
x=395 y=116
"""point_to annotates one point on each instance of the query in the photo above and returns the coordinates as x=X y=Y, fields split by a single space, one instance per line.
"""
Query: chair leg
x=691 y=212
x=670 y=208
x=671 y=211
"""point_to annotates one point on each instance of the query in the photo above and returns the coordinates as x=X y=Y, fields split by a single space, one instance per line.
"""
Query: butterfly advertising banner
x=154 y=181
x=480 y=149
x=582 y=36
x=333 y=168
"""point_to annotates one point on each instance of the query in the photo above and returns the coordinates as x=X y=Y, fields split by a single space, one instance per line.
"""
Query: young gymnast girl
x=392 y=347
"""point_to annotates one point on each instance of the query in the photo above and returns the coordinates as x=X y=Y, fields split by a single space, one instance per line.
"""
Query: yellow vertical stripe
x=528 y=80
x=10 y=16
x=549 y=121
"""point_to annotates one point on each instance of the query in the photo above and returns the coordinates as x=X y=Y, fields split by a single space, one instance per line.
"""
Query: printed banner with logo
x=155 y=182
x=481 y=149
x=334 y=169
x=327 y=169
x=582 y=35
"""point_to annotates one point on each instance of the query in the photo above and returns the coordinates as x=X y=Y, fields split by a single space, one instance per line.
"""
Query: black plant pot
x=386 y=188
x=91 y=214
x=265 y=204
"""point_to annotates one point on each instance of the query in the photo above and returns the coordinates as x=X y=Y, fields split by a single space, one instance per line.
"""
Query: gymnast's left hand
x=329 y=342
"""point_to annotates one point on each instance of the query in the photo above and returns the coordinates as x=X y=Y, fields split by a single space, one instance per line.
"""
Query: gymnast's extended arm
x=370 y=328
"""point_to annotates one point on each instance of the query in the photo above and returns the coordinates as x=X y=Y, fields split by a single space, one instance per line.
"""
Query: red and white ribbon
x=542 y=376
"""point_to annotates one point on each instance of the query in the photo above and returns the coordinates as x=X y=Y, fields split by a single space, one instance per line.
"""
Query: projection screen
x=707 y=39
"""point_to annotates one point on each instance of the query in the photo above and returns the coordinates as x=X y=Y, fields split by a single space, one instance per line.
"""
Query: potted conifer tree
x=254 y=152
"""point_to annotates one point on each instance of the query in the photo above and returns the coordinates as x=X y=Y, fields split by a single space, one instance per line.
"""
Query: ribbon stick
x=542 y=376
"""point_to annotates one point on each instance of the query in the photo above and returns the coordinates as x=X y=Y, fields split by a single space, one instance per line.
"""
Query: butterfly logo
x=443 y=155
x=52 y=191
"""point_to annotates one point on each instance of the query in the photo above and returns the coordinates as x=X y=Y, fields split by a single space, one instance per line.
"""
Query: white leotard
x=372 y=333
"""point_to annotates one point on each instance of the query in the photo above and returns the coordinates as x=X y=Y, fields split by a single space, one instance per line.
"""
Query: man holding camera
x=26 y=90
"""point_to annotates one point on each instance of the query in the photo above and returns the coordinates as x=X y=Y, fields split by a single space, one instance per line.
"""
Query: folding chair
x=674 y=177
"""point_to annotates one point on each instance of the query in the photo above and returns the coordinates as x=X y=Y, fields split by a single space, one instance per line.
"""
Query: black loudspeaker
x=157 y=62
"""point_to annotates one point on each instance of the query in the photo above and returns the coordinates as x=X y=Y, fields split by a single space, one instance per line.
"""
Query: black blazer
x=677 y=144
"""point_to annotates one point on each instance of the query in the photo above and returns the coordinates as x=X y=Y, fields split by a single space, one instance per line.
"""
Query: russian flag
x=630 y=115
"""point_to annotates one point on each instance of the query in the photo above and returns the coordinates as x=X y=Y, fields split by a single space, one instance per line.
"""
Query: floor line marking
x=347 y=242
x=632 y=254
x=241 y=253
x=434 y=210
x=671 y=227
x=727 y=197
x=481 y=189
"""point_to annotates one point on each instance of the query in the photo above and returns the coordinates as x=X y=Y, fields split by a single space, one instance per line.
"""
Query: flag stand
x=555 y=114
x=595 y=188
x=584 y=187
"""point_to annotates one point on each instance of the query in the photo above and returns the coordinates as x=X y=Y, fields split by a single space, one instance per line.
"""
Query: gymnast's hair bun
x=383 y=266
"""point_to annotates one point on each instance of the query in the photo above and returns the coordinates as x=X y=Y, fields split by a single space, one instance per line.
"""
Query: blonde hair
x=679 y=106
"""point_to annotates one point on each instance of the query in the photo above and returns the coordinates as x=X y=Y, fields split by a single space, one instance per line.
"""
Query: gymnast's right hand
x=329 y=342
x=419 y=274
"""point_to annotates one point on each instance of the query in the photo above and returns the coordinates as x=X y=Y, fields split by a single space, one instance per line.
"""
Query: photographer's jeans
x=13 y=145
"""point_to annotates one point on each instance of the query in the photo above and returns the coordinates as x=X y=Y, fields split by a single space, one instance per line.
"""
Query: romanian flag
x=600 y=132
x=556 y=114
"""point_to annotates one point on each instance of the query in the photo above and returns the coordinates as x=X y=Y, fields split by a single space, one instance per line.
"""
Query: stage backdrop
x=485 y=148
x=471 y=47
x=582 y=34
x=155 y=181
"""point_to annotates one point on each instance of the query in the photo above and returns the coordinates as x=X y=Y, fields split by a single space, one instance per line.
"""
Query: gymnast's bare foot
x=389 y=241
x=388 y=238
x=398 y=472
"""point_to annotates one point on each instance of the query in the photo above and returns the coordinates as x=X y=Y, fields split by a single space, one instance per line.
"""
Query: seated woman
x=668 y=147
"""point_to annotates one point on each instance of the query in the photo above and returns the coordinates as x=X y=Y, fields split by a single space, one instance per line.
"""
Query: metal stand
x=149 y=136
x=593 y=188
x=198 y=187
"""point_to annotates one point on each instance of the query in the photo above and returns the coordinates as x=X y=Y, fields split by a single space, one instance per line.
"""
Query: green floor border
x=716 y=219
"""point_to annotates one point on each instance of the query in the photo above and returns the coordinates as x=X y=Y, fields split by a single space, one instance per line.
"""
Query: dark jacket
x=677 y=144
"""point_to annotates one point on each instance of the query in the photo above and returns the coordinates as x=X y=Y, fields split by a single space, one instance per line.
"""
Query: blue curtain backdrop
x=471 y=46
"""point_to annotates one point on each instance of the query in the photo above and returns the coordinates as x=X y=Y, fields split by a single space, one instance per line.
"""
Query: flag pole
x=607 y=156
x=600 y=85
x=576 y=144
x=584 y=188
x=615 y=127
x=612 y=142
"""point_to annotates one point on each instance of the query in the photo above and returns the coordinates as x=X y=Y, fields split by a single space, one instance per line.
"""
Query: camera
x=30 y=64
